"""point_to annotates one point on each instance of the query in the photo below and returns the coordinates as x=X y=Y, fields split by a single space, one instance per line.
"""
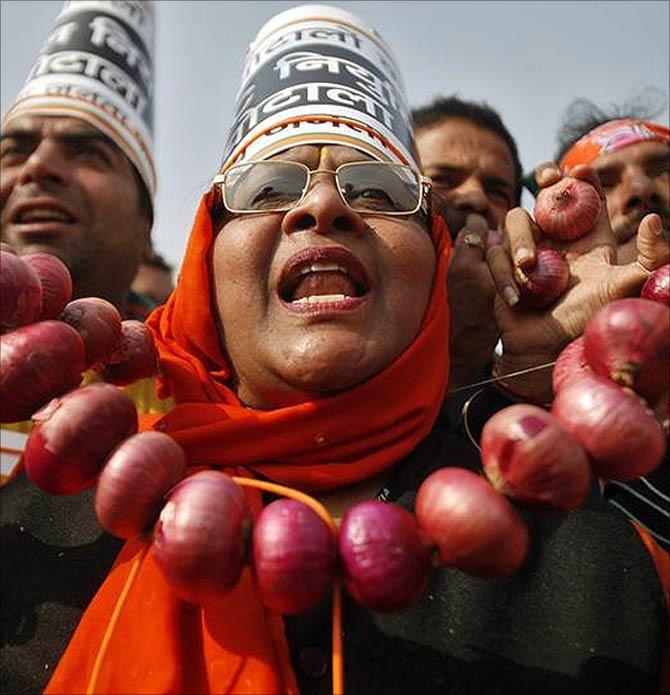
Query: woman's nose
x=323 y=210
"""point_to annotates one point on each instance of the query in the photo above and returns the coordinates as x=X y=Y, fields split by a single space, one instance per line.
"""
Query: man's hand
x=473 y=332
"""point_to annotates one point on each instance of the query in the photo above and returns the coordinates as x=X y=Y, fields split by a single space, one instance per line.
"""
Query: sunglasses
x=367 y=187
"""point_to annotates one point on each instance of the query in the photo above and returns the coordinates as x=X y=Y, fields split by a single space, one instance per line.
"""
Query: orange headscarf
x=610 y=137
x=234 y=644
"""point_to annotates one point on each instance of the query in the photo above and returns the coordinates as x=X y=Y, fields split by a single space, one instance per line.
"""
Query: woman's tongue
x=324 y=283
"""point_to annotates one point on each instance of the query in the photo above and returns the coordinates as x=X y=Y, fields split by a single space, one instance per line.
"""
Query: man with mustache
x=632 y=158
x=473 y=162
x=78 y=176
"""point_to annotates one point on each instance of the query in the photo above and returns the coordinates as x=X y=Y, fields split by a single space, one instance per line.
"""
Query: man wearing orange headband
x=632 y=159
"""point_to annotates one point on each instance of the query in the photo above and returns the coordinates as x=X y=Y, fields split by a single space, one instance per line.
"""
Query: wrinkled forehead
x=639 y=153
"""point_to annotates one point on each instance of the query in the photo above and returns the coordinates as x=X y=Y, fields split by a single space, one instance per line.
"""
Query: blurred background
x=528 y=60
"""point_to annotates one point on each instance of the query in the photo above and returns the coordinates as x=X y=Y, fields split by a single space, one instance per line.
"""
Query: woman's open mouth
x=322 y=279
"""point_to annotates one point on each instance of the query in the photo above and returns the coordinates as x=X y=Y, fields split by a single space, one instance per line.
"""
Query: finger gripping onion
x=383 y=559
x=294 y=556
x=74 y=435
x=621 y=437
x=568 y=209
x=200 y=538
x=130 y=490
x=20 y=292
x=628 y=341
x=528 y=456
x=472 y=526
x=37 y=363
x=541 y=285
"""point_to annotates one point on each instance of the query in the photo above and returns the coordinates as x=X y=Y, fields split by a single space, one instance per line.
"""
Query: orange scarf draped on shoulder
x=235 y=644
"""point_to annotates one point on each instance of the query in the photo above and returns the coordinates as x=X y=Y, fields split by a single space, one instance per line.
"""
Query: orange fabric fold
x=235 y=645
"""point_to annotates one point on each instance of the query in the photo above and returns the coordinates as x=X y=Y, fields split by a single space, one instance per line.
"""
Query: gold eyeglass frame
x=424 y=187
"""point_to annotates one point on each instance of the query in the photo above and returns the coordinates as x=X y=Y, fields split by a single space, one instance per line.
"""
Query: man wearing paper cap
x=78 y=176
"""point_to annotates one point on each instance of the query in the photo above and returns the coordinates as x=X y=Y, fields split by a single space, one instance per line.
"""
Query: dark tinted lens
x=378 y=187
x=263 y=186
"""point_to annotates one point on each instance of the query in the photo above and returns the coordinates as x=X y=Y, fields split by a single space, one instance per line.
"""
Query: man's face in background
x=471 y=167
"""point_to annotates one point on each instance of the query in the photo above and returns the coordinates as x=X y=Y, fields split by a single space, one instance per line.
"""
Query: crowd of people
x=342 y=334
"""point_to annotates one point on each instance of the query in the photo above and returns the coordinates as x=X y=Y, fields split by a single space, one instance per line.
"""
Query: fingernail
x=510 y=295
x=522 y=255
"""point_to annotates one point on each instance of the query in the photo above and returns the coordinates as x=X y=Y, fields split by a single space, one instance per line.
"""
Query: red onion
x=472 y=526
x=528 y=456
x=74 y=435
x=99 y=324
x=567 y=210
x=622 y=438
x=55 y=281
x=628 y=341
x=200 y=539
x=37 y=363
x=20 y=292
x=571 y=364
x=541 y=285
x=657 y=286
x=294 y=556
x=134 y=357
x=134 y=481
x=384 y=561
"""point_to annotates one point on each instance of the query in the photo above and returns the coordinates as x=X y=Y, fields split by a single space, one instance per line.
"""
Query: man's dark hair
x=479 y=113
x=582 y=115
x=155 y=260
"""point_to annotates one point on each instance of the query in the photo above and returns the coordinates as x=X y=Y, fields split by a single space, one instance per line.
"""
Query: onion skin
x=472 y=526
x=74 y=435
x=99 y=324
x=528 y=456
x=628 y=341
x=541 y=285
x=657 y=286
x=136 y=477
x=568 y=209
x=621 y=437
x=383 y=558
x=55 y=281
x=38 y=362
x=135 y=356
x=294 y=556
x=20 y=292
x=200 y=539
x=571 y=364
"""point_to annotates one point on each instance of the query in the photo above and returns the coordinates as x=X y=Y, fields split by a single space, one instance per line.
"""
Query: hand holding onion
x=532 y=338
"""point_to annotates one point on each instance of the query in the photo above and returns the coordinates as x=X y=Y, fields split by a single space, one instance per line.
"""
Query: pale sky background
x=527 y=59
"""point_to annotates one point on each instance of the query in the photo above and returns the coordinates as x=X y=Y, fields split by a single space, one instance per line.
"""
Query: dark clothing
x=585 y=614
x=138 y=306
